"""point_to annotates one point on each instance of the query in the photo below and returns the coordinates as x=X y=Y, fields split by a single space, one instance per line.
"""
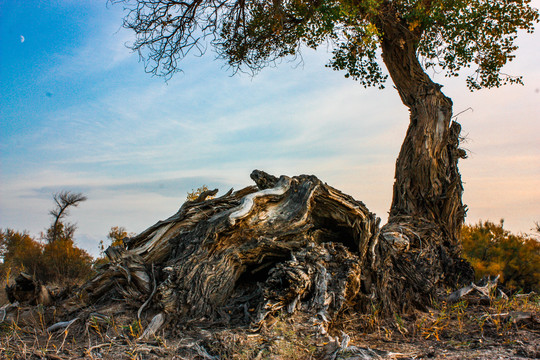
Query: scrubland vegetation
x=492 y=251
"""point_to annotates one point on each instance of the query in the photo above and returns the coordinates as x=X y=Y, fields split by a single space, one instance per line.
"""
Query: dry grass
x=500 y=328
x=464 y=330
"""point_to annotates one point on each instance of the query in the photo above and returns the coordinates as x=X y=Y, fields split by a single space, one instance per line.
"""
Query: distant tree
x=64 y=260
x=492 y=250
x=63 y=200
x=19 y=252
x=117 y=234
x=115 y=237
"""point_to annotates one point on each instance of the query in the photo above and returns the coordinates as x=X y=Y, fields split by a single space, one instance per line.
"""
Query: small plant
x=400 y=324
x=135 y=329
x=458 y=311
x=432 y=328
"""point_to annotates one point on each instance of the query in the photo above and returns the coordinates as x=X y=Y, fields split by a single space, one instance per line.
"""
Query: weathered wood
x=285 y=245
x=154 y=326
x=485 y=290
x=427 y=212
x=288 y=244
x=61 y=325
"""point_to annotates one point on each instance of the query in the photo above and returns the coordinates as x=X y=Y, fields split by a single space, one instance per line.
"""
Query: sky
x=78 y=113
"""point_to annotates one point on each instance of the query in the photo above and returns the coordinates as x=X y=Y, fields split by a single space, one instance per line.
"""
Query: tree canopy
x=250 y=34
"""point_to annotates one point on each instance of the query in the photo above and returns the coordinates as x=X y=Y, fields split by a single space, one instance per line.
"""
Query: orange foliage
x=65 y=262
x=117 y=234
x=492 y=250
x=19 y=252
x=59 y=260
x=194 y=194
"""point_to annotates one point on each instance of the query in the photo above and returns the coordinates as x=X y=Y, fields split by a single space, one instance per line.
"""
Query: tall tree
x=215 y=250
x=412 y=36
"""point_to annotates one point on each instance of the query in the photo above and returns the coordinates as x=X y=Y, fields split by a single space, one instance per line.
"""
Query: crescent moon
x=22 y=39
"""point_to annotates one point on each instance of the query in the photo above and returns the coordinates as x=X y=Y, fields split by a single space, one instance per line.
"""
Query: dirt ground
x=500 y=329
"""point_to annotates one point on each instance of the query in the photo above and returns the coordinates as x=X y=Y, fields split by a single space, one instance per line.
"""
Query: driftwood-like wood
x=284 y=245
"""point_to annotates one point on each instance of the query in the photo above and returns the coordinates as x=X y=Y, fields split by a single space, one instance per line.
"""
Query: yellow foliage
x=492 y=250
x=58 y=260
x=117 y=234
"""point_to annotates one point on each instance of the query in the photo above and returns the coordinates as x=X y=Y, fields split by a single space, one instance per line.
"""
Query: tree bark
x=427 y=210
x=286 y=244
x=427 y=181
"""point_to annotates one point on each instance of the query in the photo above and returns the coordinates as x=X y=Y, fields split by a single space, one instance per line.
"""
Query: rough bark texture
x=292 y=244
x=286 y=243
x=427 y=181
x=427 y=211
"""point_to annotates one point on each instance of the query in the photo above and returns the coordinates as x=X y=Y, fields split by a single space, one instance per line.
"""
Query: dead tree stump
x=286 y=244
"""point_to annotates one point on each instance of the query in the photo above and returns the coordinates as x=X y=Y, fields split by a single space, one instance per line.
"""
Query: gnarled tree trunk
x=427 y=182
x=287 y=244
x=427 y=211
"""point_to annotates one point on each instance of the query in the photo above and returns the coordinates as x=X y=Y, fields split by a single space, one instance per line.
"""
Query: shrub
x=492 y=250
x=65 y=262
x=19 y=252
x=59 y=261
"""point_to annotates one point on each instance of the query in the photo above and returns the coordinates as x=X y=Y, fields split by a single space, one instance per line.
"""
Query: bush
x=19 y=252
x=492 y=250
x=65 y=262
x=59 y=260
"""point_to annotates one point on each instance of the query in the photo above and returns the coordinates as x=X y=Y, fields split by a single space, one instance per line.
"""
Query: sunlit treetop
x=446 y=35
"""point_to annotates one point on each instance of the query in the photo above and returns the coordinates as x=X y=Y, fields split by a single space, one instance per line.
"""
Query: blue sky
x=77 y=112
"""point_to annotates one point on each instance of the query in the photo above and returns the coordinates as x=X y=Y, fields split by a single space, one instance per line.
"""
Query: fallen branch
x=153 y=327
x=61 y=325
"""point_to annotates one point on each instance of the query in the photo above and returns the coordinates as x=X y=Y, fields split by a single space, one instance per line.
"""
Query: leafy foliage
x=115 y=237
x=251 y=34
x=63 y=261
x=60 y=260
x=19 y=252
x=57 y=258
x=117 y=234
x=492 y=250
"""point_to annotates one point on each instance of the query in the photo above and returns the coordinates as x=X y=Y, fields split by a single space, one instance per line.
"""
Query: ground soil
x=498 y=329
